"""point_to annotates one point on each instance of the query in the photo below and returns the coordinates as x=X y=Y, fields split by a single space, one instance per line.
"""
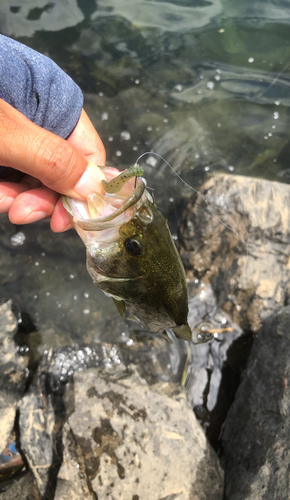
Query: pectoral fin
x=120 y=304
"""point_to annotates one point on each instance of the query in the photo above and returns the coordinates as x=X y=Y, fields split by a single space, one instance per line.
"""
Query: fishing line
x=275 y=79
x=197 y=192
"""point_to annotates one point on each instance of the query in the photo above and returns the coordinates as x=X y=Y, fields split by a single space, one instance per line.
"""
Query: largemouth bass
x=131 y=255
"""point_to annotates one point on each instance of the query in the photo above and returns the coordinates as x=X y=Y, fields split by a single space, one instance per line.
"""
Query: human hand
x=46 y=166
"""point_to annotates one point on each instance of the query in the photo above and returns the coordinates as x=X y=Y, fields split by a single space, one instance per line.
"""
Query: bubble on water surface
x=210 y=85
x=178 y=87
x=275 y=115
x=125 y=135
x=151 y=161
x=105 y=116
x=110 y=138
x=18 y=239
x=118 y=153
x=251 y=60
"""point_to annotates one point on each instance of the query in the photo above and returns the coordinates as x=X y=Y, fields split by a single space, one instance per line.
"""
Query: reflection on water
x=204 y=84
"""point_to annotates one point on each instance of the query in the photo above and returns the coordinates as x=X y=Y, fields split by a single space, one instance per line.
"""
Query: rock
x=103 y=432
x=249 y=269
x=216 y=358
x=137 y=442
x=47 y=405
x=19 y=488
x=71 y=479
x=256 y=432
x=13 y=373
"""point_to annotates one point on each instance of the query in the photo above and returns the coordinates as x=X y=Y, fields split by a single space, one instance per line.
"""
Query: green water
x=203 y=83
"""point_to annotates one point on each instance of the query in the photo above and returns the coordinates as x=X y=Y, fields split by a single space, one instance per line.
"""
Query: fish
x=131 y=255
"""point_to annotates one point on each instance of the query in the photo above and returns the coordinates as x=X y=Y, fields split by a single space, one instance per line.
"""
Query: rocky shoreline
x=93 y=424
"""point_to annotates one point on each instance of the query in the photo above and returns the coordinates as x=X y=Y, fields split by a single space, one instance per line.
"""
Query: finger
x=45 y=156
x=60 y=220
x=8 y=192
x=33 y=205
x=86 y=139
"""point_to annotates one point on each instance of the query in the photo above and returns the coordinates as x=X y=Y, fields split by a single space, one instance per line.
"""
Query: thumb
x=45 y=156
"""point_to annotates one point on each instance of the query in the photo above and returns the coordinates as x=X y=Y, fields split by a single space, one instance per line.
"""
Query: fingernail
x=34 y=216
x=90 y=182
x=5 y=204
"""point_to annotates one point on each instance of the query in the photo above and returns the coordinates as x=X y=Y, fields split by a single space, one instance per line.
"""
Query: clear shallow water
x=205 y=84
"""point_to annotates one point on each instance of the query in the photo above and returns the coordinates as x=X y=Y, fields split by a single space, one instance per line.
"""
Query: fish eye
x=132 y=246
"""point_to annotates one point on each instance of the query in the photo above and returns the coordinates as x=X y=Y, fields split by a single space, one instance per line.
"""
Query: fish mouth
x=81 y=213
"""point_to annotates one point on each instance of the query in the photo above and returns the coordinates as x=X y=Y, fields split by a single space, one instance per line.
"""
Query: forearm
x=34 y=85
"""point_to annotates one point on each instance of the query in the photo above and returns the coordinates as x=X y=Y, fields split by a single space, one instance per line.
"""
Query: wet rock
x=21 y=487
x=249 y=269
x=13 y=372
x=47 y=405
x=102 y=432
x=138 y=442
x=256 y=431
x=216 y=358
x=71 y=479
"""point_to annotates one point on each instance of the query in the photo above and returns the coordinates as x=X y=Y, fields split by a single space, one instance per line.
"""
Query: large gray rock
x=141 y=442
x=13 y=373
x=256 y=431
x=104 y=432
x=249 y=269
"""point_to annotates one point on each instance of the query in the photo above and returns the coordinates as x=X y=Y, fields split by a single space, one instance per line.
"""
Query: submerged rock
x=256 y=432
x=249 y=269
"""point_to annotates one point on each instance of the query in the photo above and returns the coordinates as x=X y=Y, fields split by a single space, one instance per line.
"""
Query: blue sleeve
x=34 y=85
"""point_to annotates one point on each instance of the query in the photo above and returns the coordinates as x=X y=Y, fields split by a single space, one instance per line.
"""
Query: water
x=205 y=84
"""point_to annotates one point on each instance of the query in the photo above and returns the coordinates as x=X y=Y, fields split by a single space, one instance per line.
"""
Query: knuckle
x=58 y=160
